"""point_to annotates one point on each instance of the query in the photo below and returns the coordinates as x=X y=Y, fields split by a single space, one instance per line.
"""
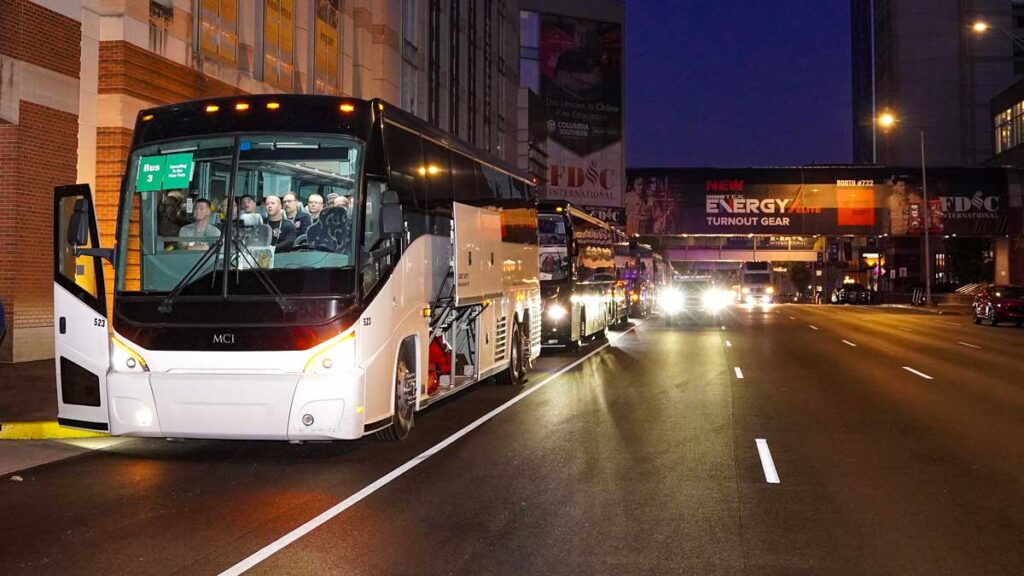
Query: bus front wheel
x=405 y=401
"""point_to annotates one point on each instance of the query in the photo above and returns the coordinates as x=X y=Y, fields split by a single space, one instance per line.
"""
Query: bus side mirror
x=78 y=225
x=392 y=221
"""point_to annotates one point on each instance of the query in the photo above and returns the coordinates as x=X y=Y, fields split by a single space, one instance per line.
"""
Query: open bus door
x=81 y=341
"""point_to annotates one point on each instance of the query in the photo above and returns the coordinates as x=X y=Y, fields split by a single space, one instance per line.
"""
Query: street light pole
x=927 y=228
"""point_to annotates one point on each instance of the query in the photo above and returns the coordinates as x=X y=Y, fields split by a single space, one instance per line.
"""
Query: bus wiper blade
x=167 y=304
x=282 y=301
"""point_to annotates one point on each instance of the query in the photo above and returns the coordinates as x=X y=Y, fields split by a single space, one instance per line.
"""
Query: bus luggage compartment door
x=477 y=254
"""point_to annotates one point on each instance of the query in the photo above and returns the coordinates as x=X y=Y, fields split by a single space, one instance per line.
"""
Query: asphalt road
x=895 y=435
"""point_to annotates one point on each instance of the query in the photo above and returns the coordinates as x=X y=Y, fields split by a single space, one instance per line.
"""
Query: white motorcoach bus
x=232 y=319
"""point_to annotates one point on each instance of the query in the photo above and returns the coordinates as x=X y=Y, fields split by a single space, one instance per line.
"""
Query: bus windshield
x=554 y=249
x=293 y=211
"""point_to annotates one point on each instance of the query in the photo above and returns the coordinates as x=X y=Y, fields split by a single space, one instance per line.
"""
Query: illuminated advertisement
x=581 y=91
x=809 y=201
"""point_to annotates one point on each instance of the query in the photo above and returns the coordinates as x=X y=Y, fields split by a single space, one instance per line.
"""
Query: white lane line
x=792 y=318
x=728 y=344
x=771 y=476
x=812 y=327
x=848 y=343
x=279 y=544
x=968 y=345
x=906 y=329
x=950 y=323
x=921 y=374
x=723 y=327
x=739 y=373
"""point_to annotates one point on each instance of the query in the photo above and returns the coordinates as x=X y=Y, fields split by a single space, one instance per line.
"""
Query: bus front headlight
x=556 y=312
x=339 y=354
x=671 y=300
x=715 y=300
x=124 y=359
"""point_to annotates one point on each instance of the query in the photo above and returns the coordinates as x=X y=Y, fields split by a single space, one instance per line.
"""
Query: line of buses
x=439 y=270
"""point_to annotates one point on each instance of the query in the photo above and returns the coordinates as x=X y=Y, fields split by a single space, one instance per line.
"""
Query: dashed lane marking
x=969 y=345
x=812 y=326
x=771 y=475
x=848 y=343
x=950 y=323
x=728 y=344
x=739 y=373
x=906 y=329
x=921 y=374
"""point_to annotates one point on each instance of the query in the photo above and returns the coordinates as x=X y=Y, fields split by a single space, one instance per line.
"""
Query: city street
x=895 y=436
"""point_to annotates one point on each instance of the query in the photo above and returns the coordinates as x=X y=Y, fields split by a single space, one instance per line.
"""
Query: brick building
x=74 y=74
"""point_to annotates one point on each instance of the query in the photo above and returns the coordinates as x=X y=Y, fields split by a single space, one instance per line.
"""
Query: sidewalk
x=28 y=403
x=951 y=309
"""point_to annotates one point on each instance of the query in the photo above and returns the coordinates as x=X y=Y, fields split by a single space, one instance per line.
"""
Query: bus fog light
x=327 y=363
x=307 y=419
x=130 y=362
x=143 y=417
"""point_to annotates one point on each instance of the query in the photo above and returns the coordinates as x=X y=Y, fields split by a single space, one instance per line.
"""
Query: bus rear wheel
x=516 y=370
x=405 y=400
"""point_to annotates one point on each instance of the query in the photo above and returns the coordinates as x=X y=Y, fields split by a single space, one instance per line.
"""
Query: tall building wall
x=934 y=73
x=75 y=73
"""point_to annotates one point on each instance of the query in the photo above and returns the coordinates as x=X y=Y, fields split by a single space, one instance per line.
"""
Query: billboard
x=581 y=91
x=809 y=201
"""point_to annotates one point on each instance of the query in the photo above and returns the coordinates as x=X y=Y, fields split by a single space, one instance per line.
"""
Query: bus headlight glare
x=671 y=300
x=339 y=354
x=715 y=300
x=556 y=311
x=124 y=359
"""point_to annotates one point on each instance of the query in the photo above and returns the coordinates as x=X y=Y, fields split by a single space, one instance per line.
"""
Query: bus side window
x=439 y=187
x=371 y=214
x=407 y=173
x=497 y=183
x=466 y=178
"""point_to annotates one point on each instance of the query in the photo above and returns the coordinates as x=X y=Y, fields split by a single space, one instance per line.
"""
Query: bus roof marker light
x=347 y=108
x=242 y=106
x=212 y=108
x=432 y=169
x=147 y=117
x=273 y=105
x=422 y=170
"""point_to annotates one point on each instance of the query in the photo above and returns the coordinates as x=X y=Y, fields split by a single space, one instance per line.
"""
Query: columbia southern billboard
x=581 y=91
x=807 y=201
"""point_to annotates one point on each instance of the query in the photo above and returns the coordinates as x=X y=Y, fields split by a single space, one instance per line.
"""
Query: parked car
x=852 y=294
x=999 y=303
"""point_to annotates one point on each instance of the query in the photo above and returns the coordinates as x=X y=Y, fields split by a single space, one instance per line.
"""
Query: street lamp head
x=886 y=120
x=980 y=27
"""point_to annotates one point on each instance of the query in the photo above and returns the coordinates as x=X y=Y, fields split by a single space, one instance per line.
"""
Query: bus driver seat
x=252 y=232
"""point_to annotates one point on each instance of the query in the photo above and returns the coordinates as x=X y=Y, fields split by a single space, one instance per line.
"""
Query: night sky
x=737 y=83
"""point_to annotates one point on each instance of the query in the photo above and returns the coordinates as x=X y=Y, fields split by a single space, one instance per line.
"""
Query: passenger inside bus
x=200 y=227
x=281 y=228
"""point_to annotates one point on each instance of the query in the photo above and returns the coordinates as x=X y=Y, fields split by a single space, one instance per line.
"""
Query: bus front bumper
x=237 y=406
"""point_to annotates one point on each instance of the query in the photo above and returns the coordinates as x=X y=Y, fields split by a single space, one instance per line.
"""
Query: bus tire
x=578 y=342
x=515 y=372
x=402 y=420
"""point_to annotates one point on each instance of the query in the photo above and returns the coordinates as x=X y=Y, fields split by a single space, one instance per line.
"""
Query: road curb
x=42 y=430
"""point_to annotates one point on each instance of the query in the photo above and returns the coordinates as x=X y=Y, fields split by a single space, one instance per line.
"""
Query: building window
x=488 y=72
x=160 y=17
x=529 y=50
x=410 y=56
x=471 y=33
x=279 y=43
x=454 y=52
x=327 y=47
x=218 y=29
x=434 y=64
